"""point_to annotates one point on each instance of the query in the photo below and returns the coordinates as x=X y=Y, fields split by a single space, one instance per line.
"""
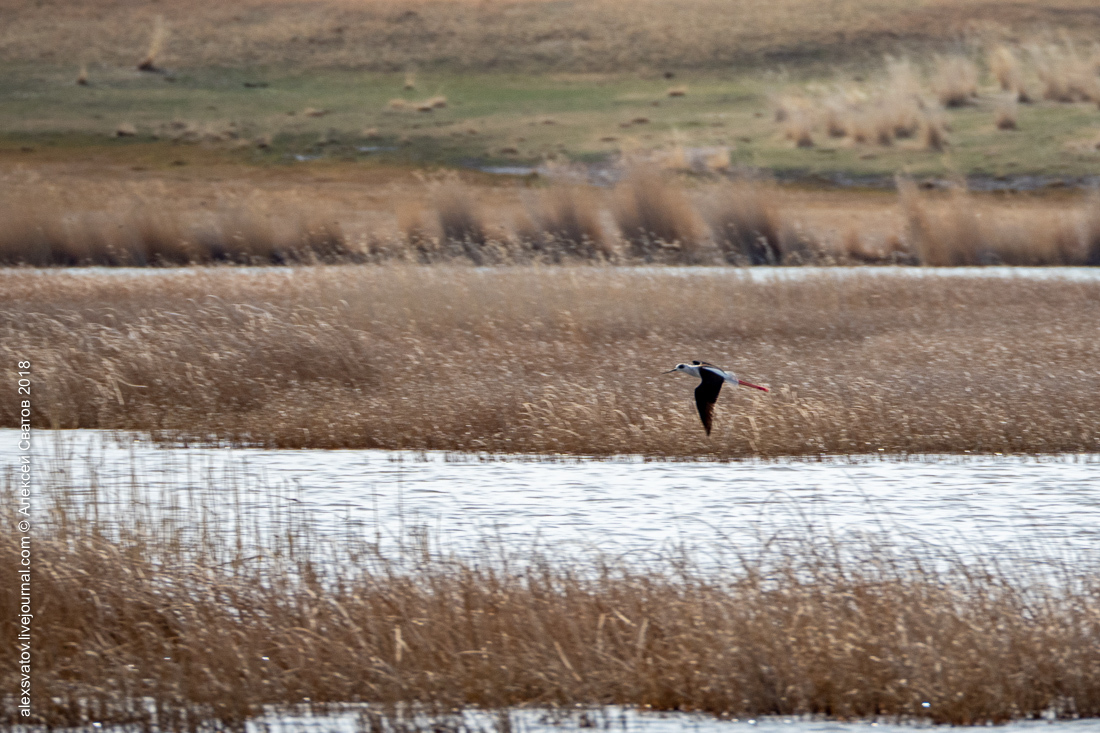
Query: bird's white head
x=686 y=369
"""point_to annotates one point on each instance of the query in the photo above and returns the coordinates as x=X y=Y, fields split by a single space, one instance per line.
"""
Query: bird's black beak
x=670 y=371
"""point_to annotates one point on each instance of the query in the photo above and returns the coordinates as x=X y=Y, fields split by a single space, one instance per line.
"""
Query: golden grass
x=656 y=220
x=565 y=224
x=1005 y=68
x=933 y=133
x=955 y=81
x=903 y=103
x=746 y=224
x=461 y=223
x=889 y=109
x=514 y=359
x=213 y=625
x=1065 y=73
x=799 y=129
x=145 y=231
x=661 y=218
x=601 y=35
x=156 y=46
x=958 y=231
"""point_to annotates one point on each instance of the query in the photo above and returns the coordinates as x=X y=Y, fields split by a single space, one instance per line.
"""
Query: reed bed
x=956 y=230
x=650 y=216
x=149 y=623
x=147 y=230
x=560 y=360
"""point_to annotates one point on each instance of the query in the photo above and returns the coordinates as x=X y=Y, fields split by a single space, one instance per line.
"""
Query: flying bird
x=706 y=394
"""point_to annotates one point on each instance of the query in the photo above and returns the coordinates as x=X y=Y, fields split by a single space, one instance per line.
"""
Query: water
x=1012 y=509
x=626 y=720
x=989 y=506
x=752 y=274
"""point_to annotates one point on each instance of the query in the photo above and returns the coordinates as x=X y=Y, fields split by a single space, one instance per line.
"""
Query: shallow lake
x=1011 y=509
x=625 y=720
x=751 y=274
x=991 y=506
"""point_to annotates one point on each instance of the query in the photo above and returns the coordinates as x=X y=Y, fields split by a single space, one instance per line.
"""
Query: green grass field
x=271 y=116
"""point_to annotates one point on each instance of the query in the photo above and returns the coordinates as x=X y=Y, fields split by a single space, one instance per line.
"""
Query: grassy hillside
x=280 y=116
x=502 y=35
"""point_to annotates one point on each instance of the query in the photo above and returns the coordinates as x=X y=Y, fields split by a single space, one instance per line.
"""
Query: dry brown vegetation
x=1065 y=73
x=955 y=81
x=192 y=619
x=905 y=100
x=515 y=359
x=566 y=225
x=656 y=219
x=960 y=231
x=396 y=35
x=39 y=227
x=746 y=225
x=1005 y=118
x=651 y=216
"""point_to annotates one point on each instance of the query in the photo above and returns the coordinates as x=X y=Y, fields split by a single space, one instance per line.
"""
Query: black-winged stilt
x=706 y=394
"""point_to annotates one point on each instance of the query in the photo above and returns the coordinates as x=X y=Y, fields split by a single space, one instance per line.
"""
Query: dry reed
x=1005 y=67
x=461 y=222
x=1065 y=74
x=955 y=81
x=513 y=359
x=746 y=225
x=933 y=133
x=156 y=46
x=891 y=110
x=656 y=219
x=147 y=232
x=566 y=225
x=957 y=231
x=452 y=221
x=152 y=624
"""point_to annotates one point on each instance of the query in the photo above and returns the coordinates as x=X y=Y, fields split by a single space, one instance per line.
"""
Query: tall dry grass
x=156 y=46
x=904 y=103
x=514 y=359
x=152 y=623
x=955 y=81
x=40 y=229
x=746 y=224
x=1065 y=73
x=892 y=108
x=1007 y=70
x=461 y=223
x=656 y=219
x=956 y=230
x=565 y=224
x=661 y=218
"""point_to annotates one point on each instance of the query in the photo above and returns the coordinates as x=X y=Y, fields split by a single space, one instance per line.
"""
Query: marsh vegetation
x=516 y=359
x=651 y=216
x=187 y=619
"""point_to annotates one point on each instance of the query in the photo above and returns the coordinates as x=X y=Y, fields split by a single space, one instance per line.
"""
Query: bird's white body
x=711 y=380
x=696 y=371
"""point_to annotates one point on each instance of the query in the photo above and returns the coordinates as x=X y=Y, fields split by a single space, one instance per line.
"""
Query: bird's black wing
x=706 y=394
